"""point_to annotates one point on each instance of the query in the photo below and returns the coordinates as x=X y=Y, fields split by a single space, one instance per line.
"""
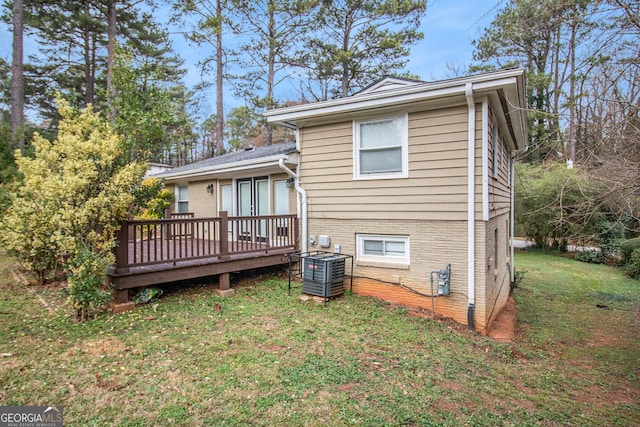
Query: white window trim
x=404 y=146
x=385 y=259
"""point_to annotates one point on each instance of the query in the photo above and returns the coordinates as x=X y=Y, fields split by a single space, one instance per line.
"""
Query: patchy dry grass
x=264 y=358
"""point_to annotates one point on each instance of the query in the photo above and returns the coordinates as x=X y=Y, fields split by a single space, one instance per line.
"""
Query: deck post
x=224 y=236
x=223 y=281
x=122 y=250
x=122 y=296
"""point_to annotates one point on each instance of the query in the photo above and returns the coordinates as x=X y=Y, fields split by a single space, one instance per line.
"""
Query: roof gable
x=388 y=83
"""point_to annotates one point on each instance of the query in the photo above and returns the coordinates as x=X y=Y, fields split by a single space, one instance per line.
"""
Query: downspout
x=302 y=207
x=485 y=159
x=512 y=230
x=471 y=184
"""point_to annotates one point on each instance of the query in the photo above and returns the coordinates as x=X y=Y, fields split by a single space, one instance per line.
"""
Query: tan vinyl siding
x=435 y=189
x=202 y=203
x=430 y=206
x=499 y=191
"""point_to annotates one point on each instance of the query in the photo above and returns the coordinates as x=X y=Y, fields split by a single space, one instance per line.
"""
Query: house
x=254 y=181
x=230 y=213
x=410 y=177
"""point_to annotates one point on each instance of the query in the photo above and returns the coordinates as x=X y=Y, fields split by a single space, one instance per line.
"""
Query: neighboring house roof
x=254 y=158
x=505 y=88
x=156 y=168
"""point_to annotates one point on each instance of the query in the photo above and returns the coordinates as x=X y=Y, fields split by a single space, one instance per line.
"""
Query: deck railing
x=171 y=240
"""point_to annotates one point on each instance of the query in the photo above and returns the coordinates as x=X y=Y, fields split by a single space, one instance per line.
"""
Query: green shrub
x=87 y=289
x=632 y=266
x=627 y=247
x=74 y=194
x=554 y=204
x=592 y=257
x=151 y=199
x=608 y=236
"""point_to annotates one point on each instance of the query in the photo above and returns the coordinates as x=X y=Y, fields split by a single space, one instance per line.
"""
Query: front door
x=253 y=200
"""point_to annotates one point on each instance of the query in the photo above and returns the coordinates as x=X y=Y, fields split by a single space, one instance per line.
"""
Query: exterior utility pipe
x=471 y=196
x=512 y=233
x=303 y=204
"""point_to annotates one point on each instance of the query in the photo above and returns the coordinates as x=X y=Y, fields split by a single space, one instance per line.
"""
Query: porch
x=152 y=252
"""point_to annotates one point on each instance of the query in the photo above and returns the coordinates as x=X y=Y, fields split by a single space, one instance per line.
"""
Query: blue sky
x=449 y=27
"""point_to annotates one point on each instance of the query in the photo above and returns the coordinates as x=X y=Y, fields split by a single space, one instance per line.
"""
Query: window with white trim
x=382 y=248
x=182 y=199
x=380 y=148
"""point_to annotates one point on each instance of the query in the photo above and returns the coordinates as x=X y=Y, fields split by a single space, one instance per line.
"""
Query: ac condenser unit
x=323 y=275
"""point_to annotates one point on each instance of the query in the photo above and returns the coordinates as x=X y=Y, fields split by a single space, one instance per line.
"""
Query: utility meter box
x=444 y=279
x=324 y=240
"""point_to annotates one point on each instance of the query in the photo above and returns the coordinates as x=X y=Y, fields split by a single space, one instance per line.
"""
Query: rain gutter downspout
x=512 y=218
x=471 y=184
x=302 y=207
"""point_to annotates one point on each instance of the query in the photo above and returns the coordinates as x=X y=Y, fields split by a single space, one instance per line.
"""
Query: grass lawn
x=261 y=357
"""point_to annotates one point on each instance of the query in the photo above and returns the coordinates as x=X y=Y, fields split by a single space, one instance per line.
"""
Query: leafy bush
x=87 y=273
x=608 y=237
x=632 y=266
x=74 y=194
x=592 y=257
x=627 y=247
x=151 y=199
x=554 y=204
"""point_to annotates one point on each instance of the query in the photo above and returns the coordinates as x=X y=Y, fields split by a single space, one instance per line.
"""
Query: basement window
x=382 y=249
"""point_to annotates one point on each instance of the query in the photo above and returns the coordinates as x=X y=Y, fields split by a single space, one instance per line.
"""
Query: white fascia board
x=263 y=162
x=289 y=115
x=354 y=104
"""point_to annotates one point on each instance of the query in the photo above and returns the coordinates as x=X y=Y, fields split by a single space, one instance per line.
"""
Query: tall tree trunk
x=555 y=64
x=111 y=52
x=89 y=87
x=271 y=73
x=572 y=95
x=345 y=48
x=219 y=104
x=17 y=77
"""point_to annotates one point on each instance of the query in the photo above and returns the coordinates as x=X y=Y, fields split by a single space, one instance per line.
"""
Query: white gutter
x=302 y=206
x=230 y=167
x=485 y=159
x=471 y=229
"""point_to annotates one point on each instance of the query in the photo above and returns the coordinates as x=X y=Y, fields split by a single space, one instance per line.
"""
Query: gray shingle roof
x=235 y=157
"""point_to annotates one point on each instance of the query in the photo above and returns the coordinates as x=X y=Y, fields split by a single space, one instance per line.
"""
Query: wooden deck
x=167 y=250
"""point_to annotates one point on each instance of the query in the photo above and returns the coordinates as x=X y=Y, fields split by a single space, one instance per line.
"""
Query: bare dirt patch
x=505 y=325
x=107 y=346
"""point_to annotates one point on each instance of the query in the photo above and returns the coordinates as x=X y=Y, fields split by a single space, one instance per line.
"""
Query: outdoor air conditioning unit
x=323 y=275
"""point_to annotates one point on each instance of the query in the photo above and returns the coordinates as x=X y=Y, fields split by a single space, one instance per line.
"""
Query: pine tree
x=358 y=42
